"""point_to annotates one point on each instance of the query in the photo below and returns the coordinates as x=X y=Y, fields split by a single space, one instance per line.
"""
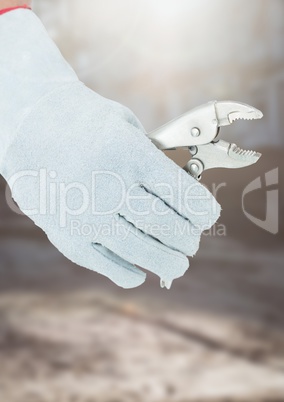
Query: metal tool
x=197 y=130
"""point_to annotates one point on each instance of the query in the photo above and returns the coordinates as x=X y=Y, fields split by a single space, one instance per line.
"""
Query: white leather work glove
x=82 y=168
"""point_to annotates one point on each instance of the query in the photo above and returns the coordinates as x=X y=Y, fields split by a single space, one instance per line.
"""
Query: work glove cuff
x=31 y=66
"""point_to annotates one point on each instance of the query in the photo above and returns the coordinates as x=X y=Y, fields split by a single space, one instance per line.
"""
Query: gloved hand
x=82 y=168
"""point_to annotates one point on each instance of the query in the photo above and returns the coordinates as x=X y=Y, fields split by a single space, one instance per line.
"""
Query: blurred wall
x=163 y=57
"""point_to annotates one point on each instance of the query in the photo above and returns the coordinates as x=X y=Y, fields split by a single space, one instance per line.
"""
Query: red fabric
x=6 y=10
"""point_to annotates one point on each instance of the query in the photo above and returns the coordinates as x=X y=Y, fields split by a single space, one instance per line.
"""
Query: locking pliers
x=197 y=130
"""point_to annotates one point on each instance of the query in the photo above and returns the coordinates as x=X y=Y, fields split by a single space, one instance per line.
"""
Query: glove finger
x=153 y=216
x=119 y=271
x=101 y=260
x=136 y=247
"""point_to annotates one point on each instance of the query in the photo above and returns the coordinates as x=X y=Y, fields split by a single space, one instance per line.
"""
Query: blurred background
x=68 y=334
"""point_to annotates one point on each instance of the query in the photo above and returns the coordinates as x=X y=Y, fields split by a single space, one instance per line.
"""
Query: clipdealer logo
x=271 y=221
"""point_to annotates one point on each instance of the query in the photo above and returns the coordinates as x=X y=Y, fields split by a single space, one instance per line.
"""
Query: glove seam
x=127 y=267
x=173 y=252
x=152 y=192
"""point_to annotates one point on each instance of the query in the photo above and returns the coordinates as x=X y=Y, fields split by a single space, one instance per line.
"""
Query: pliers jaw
x=218 y=154
x=197 y=130
x=228 y=111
